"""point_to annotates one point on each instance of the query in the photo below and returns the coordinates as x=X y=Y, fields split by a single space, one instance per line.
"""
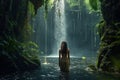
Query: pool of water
x=51 y=71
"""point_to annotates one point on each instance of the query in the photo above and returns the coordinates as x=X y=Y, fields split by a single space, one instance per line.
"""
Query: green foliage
x=94 y=4
x=12 y=48
x=101 y=28
x=27 y=31
x=30 y=48
x=48 y=4
x=87 y=4
x=10 y=45
x=31 y=10
x=91 y=5
x=73 y=3
x=31 y=51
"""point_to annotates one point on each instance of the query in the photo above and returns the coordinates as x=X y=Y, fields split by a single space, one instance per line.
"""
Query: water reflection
x=64 y=76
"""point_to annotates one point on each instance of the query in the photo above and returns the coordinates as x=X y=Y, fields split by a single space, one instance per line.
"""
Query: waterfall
x=60 y=25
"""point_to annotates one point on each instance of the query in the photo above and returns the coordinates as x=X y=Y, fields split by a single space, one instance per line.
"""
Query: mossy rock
x=109 y=57
x=92 y=67
x=101 y=27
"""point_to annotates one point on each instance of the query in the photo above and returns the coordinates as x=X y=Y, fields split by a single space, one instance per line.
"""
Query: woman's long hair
x=64 y=47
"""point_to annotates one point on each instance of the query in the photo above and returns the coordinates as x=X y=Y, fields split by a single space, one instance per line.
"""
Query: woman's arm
x=59 y=57
x=69 y=56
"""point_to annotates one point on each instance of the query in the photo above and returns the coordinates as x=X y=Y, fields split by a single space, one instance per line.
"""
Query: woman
x=64 y=57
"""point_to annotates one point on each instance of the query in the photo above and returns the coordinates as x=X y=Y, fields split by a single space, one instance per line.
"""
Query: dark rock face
x=109 y=31
x=110 y=10
x=14 y=22
x=13 y=15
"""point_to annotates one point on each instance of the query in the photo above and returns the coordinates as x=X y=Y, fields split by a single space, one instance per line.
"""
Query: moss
x=108 y=59
x=31 y=10
x=116 y=63
x=101 y=28
x=27 y=30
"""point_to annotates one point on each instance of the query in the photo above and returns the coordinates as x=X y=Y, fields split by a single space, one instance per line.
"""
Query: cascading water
x=60 y=25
